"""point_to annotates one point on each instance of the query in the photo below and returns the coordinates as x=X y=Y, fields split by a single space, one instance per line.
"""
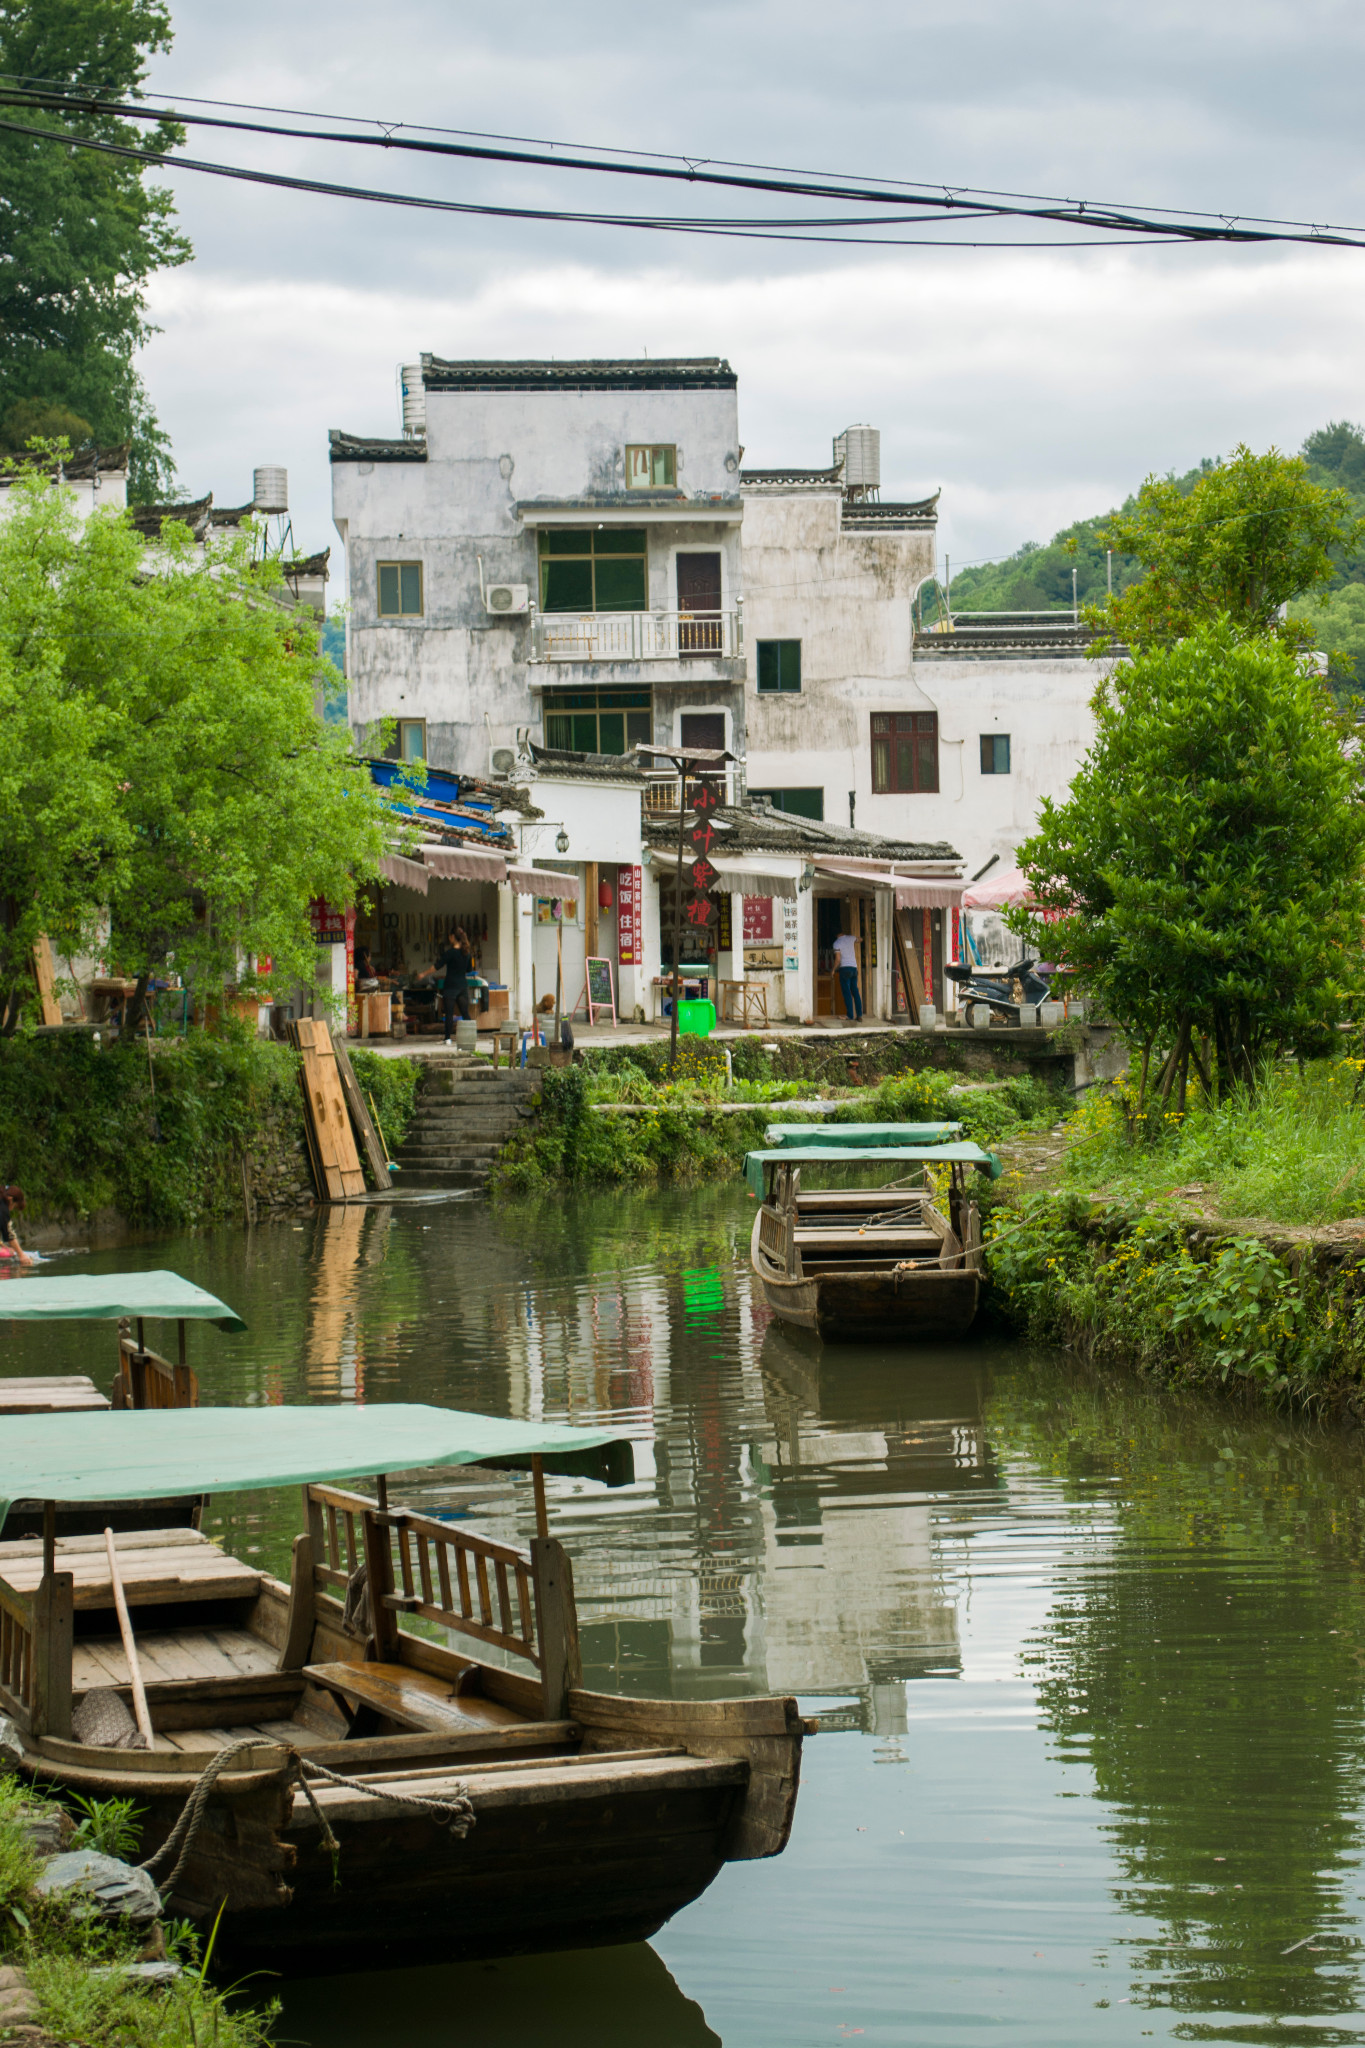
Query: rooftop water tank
x=858 y=452
x=414 y=401
x=270 y=488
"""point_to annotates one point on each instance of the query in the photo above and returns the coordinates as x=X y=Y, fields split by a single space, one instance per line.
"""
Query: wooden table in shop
x=749 y=998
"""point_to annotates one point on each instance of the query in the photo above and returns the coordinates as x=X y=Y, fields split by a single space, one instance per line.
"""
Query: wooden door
x=699 y=620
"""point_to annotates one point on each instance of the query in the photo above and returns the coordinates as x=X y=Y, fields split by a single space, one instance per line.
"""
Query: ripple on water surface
x=1088 y=1659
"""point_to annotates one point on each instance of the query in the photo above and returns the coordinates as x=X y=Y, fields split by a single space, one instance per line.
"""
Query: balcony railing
x=636 y=636
x=661 y=791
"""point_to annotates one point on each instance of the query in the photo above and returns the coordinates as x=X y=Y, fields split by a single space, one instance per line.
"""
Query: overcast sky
x=1033 y=385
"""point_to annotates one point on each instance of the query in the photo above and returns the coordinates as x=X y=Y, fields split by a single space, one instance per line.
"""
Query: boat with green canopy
x=394 y=1754
x=870 y=1264
x=142 y=1378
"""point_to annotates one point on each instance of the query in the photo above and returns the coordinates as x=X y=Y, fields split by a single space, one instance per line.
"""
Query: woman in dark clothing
x=11 y=1203
x=454 y=961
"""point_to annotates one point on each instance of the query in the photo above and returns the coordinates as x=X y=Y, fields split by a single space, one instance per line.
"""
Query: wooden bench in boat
x=156 y=1565
x=56 y=1394
x=412 y=1699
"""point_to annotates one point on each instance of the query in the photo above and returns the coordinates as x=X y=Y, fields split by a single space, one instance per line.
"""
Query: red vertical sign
x=628 y=893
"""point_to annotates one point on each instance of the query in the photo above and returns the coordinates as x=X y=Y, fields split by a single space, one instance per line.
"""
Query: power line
x=932 y=208
x=666 y=224
x=694 y=167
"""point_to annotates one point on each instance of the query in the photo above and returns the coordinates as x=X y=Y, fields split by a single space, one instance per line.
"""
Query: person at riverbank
x=846 y=960
x=455 y=962
x=11 y=1204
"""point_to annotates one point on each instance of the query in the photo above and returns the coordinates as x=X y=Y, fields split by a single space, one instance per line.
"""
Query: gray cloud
x=1034 y=386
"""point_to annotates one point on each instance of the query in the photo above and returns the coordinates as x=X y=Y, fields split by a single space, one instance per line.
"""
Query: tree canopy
x=1253 y=533
x=163 y=761
x=1205 y=865
x=81 y=233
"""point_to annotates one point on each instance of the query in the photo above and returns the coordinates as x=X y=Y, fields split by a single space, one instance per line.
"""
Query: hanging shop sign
x=629 y=889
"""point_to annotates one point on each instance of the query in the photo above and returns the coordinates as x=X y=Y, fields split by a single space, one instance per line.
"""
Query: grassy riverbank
x=74 y=1985
x=184 y=1137
x=622 y=1121
x=1224 y=1247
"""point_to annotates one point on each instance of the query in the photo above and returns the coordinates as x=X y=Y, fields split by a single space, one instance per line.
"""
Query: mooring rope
x=455 y=1813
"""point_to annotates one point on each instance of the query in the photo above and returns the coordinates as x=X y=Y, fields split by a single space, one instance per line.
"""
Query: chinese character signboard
x=758 y=920
x=628 y=894
x=329 y=926
x=791 y=956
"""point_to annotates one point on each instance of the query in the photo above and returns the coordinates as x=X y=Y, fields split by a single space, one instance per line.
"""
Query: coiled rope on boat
x=455 y=1813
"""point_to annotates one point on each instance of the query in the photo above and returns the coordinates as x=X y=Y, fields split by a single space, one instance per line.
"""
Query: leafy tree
x=81 y=233
x=1253 y=533
x=1206 y=863
x=162 y=761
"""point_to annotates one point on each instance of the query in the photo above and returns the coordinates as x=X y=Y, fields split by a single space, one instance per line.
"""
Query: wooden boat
x=593 y=1818
x=142 y=1378
x=862 y=1265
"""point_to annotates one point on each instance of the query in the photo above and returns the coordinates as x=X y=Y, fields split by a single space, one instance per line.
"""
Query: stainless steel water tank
x=858 y=451
x=270 y=488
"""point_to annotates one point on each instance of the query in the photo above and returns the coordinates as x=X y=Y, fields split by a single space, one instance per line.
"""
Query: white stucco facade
x=841 y=580
x=511 y=452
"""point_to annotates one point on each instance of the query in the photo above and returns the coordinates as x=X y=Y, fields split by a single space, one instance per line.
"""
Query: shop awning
x=408 y=874
x=462 y=864
x=915 y=895
x=742 y=874
x=526 y=881
x=160 y=1453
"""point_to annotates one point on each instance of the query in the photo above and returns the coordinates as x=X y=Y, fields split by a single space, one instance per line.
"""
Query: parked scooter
x=1005 y=988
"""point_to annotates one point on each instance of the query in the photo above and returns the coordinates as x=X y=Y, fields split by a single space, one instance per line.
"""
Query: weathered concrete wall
x=490 y=457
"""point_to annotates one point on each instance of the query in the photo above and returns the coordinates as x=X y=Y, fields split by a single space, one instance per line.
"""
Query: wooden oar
x=140 y=1713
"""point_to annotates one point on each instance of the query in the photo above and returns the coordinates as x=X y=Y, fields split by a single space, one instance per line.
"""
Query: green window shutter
x=620 y=583
x=410 y=583
x=388 y=590
x=566 y=586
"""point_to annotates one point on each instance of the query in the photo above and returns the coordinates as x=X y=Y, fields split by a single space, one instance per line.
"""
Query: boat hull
x=878 y=1304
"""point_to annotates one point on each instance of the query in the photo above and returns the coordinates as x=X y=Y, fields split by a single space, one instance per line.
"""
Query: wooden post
x=590 y=909
x=49 y=1537
x=53 y=1606
x=379 y=1569
x=911 y=978
x=561 y=1667
x=298 y=1634
x=538 y=1482
x=360 y=1115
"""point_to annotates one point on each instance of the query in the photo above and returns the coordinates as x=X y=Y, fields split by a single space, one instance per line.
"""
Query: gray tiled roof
x=697 y=373
x=368 y=448
x=758 y=828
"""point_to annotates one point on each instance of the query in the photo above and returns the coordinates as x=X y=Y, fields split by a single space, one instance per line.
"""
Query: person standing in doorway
x=846 y=960
x=455 y=962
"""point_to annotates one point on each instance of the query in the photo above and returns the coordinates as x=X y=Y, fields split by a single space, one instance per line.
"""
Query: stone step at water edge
x=451 y=1126
x=429 y=1155
x=454 y=1178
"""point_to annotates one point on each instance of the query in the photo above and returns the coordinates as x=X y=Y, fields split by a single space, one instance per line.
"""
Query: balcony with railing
x=661 y=790
x=636 y=636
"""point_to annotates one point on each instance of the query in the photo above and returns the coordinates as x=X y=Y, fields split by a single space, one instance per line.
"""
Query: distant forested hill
x=1037 y=577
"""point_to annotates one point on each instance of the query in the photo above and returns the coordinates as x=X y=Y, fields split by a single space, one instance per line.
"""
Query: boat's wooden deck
x=59 y=1393
x=155 y=1565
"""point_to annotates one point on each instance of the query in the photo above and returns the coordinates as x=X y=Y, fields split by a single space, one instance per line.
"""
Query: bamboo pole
x=125 y=1626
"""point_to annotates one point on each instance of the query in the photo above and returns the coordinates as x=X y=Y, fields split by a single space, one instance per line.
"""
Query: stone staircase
x=464 y=1115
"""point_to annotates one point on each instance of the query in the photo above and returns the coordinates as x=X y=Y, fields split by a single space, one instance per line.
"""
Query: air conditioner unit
x=503 y=598
x=504 y=760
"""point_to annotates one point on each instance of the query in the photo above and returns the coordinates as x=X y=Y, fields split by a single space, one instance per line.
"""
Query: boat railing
x=417 y=1565
x=35 y=1653
x=146 y=1380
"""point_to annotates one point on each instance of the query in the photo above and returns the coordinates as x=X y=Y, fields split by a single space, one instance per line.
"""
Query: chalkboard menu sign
x=601 y=995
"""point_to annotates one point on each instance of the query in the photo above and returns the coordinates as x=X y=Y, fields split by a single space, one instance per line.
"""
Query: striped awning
x=407 y=874
x=463 y=864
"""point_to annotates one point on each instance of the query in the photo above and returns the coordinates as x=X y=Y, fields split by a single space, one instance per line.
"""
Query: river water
x=1089 y=1659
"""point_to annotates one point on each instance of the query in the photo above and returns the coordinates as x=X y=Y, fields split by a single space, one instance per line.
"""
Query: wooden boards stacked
x=331 y=1145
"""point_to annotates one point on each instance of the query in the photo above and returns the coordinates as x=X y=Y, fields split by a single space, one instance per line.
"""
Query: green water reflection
x=1088 y=1660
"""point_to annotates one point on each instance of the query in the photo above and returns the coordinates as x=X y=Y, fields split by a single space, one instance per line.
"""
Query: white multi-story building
x=548 y=546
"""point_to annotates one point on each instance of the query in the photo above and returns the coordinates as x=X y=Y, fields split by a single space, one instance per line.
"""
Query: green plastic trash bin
x=696 y=1019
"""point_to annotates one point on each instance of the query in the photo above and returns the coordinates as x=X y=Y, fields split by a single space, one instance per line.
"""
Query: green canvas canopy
x=91 y=1297
x=162 y=1453
x=966 y=1153
x=857 y=1136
